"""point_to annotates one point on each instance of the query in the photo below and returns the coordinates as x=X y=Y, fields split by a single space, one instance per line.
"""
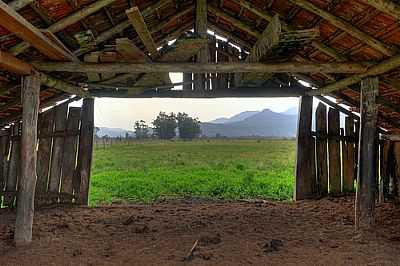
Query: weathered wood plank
x=348 y=157
x=30 y=91
x=70 y=150
x=4 y=150
x=366 y=178
x=85 y=150
x=385 y=169
x=334 y=152
x=305 y=182
x=284 y=67
x=60 y=121
x=13 y=165
x=201 y=31
x=321 y=149
x=46 y=123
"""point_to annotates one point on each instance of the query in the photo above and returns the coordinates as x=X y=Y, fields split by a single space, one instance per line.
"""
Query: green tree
x=165 y=126
x=141 y=129
x=189 y=128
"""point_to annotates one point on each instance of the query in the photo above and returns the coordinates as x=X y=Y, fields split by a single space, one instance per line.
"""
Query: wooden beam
x=366 y=178
x=375 y=70
x=238 y=67
x=14 y=65
x=337 y=106
x=201 y=30
x=62 y=85
x=305 y=181
x=19 y=4
x=65 y=22
x=18 y=25
x=26 y=190
x=387 y=6
x=137 y=21
x=346 y=26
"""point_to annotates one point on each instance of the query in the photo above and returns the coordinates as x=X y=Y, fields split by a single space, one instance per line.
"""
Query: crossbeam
x=18 y=25
x=14 y=65
x=238 y=67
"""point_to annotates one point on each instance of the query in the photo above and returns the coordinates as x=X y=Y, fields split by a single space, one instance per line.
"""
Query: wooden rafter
x=137 y=21
x=387 y=6
x=65 y=22
x=19 y=4
x=346 y=26
x=18 y=25
x=14 y=65
x=238 y=67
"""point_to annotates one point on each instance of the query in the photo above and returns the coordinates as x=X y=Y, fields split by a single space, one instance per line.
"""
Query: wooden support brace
x=26 y=192
x=366 y=178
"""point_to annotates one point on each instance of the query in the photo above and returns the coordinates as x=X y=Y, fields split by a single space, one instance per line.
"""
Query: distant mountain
x=291 y=111
x=235 y=118
x=255 y=124
x=114 y=132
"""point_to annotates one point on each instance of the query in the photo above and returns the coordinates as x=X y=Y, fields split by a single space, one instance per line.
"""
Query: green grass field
x=218 y=169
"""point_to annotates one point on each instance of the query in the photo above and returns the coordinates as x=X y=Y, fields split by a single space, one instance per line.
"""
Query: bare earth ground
x=227 y=233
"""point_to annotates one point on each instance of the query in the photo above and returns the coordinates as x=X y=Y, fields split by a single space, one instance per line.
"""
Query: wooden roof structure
x=112 y=48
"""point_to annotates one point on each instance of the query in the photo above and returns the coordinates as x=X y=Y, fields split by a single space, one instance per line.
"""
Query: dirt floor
x=227 y=233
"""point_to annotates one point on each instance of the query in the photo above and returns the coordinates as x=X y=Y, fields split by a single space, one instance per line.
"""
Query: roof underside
x=241 y=22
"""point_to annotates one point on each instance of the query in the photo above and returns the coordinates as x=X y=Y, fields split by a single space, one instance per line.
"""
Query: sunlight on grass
x=218 y=169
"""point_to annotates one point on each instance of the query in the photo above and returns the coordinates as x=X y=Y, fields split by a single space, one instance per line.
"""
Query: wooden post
x=85 y=150
x=322 y=149
x=305 y=183
x=30 y=91
x=366 y=178
x=201 y=30
x=334 y=152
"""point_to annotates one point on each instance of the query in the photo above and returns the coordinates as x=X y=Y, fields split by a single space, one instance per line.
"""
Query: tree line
x=166 y=126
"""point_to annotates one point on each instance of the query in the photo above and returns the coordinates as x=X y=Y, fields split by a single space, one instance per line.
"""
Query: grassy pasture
x=219 y=169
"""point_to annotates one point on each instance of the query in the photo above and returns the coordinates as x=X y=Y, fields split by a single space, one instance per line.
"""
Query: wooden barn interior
x=54 y=52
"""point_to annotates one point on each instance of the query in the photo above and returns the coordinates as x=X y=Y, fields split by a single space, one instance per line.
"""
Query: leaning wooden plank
x=70 y=149
x=334 y=152
x=46 y=123
x=18 y=25
x=137 y=21
x=14 y=65
x=321 y=149
x=30 y=93
x=13 y=168
x=4 y=149
x=129 y=51
x=305 y=181
x=60 y=121
x=349 y=156
x=85 y=150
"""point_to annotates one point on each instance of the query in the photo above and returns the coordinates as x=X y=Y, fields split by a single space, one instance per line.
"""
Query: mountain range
x=265 y=123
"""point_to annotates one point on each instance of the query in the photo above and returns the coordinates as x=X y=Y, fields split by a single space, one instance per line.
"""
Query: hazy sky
x=122 y=113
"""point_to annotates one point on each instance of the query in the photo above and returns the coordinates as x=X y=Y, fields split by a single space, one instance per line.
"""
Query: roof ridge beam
x=346 y=26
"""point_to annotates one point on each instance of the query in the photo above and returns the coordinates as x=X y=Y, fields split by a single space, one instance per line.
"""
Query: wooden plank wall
x=58 y=148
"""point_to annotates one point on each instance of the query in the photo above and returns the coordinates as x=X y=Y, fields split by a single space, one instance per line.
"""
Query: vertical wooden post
x=334 y=152
x=348 y=156
x=366 y=178
x=322 y=149
x=305 y=182
x=85 y=149
x=30 y=91
x=201 y=30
